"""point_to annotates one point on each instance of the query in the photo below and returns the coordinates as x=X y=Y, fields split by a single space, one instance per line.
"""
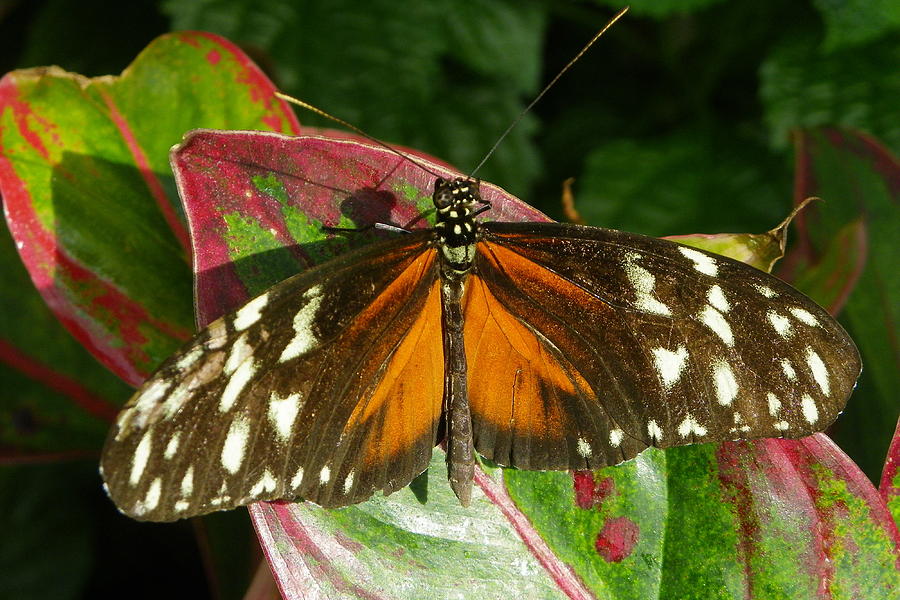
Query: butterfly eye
x=443 y=193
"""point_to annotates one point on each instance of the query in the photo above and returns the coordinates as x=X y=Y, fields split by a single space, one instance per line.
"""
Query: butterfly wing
x=288 y=396
x=599 y=343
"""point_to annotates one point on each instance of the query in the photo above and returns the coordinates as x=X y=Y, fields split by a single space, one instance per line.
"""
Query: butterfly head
x=456 y=228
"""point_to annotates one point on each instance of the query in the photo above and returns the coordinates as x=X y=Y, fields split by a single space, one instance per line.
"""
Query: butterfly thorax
x=456 y=227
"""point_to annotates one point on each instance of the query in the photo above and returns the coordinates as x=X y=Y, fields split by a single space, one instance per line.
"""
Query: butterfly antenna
x=354 y=128
x=546 y=88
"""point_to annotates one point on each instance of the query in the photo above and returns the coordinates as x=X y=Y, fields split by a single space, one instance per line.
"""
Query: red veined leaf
x=551 y=534
x=58 y=401
x=890 y=477
x=851 y=237
x=88 y=194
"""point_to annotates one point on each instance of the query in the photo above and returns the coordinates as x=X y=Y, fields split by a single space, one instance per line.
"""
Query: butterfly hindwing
x=327 y=387
x=609 y=342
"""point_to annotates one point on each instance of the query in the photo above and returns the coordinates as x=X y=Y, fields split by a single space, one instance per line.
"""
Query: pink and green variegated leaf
x=57 y=400
x=88 y=192
x=890 y=477
x=852 y=237
x=734 y=520
x=256 y=203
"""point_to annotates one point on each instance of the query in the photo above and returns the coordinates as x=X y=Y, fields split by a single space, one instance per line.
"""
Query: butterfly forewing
x=304 y=392
x=601 y=343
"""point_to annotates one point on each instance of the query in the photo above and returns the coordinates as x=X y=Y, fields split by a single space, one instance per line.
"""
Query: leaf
x=660 y=9
x=761 y=250
x=52 y=553
x=852 y=22
x=860 y=182
x=88 y=193
x=669 y=184
x=890 y=477
x=471 y=63
x=57 y=398
x=256 y=204
x=801 y=86
x=727 y=519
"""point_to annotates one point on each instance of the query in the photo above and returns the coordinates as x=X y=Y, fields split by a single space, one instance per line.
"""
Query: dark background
x=677 y=121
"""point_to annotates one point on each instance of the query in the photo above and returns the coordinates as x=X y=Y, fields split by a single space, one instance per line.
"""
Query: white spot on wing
x=703 y=263
x=725 y=383
x=141 y=455
x=764 y=290
x=218 y=334
x=151 y=395
x=304 y=340
x=653 y=430
x=236 y=384
x=810 y=410
x=717 y=299
x=235 y=445
x=689 y=426
x=669 y=365
x=584 y=448
x=240 y=351
x=348 y=482
x=172 y=446
x=717 y=323
x=187 y=361
x=780 y=323
x=805 y=316
x=774 y=404
x=265 y=484
x=182 y=505
x=781 y=425
x=187 y=482
x=788 y=369
x=151 y=500
x=819 y=372
x=324 y=475
x=643 y=282
x=250 y=312
x=297 y=479
x=615 y=437
x=282 y=413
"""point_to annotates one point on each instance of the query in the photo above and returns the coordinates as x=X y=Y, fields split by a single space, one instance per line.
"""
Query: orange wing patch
x=532 y=406
x=403 y=406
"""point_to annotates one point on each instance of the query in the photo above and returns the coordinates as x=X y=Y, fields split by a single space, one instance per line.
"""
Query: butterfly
x=541 y=346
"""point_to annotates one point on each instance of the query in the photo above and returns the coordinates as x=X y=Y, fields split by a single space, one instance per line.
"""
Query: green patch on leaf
x=247 y=239
x=271 y=186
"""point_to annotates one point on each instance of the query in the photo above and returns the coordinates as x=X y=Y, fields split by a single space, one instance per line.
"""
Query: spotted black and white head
x=456 y=227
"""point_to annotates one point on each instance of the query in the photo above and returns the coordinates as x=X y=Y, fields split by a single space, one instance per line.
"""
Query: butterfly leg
x=379 y=226
x=460 y=450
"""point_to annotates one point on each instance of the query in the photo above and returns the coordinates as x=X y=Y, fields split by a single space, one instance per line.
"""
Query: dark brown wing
x=586 y=345
x=327 y=387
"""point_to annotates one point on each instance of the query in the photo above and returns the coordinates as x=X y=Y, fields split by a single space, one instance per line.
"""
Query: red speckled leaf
x=88 y=193
x=738 y=520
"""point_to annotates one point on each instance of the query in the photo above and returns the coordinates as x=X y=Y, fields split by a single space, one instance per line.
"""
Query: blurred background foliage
x=677 y=122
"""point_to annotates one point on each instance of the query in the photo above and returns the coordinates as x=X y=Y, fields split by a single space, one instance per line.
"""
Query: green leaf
x=660 y=9
x=673 y=184
x=802 y=86
x=852 y=22
x=47 y=551
x=379 y=67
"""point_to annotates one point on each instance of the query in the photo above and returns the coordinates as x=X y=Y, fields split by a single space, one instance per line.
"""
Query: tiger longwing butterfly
x=540 y=346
